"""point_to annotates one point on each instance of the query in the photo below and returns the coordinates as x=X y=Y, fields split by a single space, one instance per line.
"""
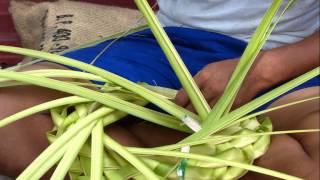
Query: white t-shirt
x=239 y=18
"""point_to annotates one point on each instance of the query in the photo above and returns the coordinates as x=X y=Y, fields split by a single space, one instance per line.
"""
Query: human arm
x=271 y=67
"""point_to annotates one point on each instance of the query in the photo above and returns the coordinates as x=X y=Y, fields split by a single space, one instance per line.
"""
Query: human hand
x=213 y=79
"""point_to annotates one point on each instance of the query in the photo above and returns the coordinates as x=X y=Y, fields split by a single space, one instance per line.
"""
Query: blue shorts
x=139 y=58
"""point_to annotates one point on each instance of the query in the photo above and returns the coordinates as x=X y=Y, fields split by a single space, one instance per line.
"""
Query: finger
x=182 y=98
x=209 y=92
x=191 y=108
x=213 y=101
x=244 y=95
x=237 y=102
x=200 y=78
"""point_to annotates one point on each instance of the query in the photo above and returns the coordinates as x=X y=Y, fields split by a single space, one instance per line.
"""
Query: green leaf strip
x=175 y=60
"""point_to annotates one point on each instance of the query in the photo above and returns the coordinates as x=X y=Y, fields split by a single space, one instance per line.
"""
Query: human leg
x=295 y=154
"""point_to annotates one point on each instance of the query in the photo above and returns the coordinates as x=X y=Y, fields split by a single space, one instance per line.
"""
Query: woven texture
x=57 y=26
x=242 y=149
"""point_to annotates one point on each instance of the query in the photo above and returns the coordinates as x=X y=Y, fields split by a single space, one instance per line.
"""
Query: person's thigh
x=290 y=117
x=295 y=154
x=23 y=140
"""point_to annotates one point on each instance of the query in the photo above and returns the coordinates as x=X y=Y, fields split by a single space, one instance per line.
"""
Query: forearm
x=286 y=62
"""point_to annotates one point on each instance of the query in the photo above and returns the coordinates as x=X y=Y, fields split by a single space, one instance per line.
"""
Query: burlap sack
x=57 y=26
x=28 y=20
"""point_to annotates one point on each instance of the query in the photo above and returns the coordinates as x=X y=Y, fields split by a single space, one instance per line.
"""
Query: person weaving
x=210 y=37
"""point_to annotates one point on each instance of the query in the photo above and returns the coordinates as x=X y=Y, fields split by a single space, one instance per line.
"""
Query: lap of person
x=302 y=116
x=301 y=157
x=23 y=140
x=288 y=117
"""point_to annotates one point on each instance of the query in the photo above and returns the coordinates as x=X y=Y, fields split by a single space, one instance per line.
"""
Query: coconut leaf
x=175 y=60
